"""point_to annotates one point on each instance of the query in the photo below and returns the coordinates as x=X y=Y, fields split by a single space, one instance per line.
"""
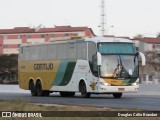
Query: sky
x=122 y=17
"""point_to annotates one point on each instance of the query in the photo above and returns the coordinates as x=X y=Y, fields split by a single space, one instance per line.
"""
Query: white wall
x=148 y=47
x=143 y=46
x=10 y=51
x=12 y=41
x=36 y=40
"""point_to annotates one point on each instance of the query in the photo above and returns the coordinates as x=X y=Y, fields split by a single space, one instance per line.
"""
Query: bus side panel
x=49 y=75
x=38 y=70
x=64 y=73
x=71 y=74
x=23 y=75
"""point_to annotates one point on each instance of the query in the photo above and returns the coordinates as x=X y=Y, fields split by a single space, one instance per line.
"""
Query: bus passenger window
x=94 y=62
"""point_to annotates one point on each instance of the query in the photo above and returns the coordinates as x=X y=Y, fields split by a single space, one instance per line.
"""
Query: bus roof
x=93 y=39
x=108 y=39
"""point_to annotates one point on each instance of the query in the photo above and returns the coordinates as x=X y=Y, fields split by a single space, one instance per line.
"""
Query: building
x=10 y=39
x=125 y=37
x=151 y=48
x=147 y=44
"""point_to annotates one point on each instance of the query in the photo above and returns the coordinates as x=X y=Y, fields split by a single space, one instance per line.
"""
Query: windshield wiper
x=120 y=69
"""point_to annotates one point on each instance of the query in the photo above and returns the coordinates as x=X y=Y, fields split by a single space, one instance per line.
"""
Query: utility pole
x=102 y=17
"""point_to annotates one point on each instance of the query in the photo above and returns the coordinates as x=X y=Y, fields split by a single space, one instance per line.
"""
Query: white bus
x=89 y=65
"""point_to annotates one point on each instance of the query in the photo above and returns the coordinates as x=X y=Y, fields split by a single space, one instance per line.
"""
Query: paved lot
x=144 y=89
x=148 y=98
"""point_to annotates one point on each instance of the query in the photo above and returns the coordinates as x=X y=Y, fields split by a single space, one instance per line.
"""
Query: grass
x=19 y=105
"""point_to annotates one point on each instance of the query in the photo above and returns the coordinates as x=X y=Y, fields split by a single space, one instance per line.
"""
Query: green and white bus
x=96 y=65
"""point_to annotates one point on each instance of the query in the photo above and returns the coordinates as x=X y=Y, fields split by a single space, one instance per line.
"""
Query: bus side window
x=21 y=53
x=81 y=51
x=92 y=56
x=21 y=48
x=61 y=51
x=51 y=52
x=42 y=52
x=34 y=53
x=71 y=51
x=27 y=53
x=94 y=64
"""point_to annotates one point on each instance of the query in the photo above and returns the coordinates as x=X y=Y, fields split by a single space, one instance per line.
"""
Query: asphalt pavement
x=145 y=99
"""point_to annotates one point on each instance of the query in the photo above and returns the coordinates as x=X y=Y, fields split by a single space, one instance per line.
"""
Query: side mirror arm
x=99 y=59
x=143 y=58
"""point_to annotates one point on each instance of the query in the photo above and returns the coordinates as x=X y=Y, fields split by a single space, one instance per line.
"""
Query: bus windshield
x=119 y=66
x=116 y=48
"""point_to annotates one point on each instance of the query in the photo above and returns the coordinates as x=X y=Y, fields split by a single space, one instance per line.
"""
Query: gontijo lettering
x=43 y=66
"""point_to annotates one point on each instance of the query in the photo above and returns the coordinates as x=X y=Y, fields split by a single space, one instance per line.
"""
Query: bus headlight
x=104 y=83
x=136 y=83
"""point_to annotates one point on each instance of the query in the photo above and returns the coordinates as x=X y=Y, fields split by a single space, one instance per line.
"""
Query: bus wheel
x=83 y=90
x=67 y=94
x=117 y=95
x=39 y=88
x=32 y=88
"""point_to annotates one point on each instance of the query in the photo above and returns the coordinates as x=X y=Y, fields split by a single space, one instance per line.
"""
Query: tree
x=8 y=67
x=153 y=58
x=138 y=36
x=158 y=35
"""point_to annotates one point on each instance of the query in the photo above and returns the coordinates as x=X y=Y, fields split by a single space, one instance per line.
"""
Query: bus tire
x=83 y=90
x=67 y=94
x=32 y=88
x=39 y=88
x=117 y=95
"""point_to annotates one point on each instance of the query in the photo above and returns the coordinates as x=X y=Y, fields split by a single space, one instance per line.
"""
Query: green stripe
x=132 y=80
x=60 y=73
x=64 y=73
x=125 y=81
x=68 y=74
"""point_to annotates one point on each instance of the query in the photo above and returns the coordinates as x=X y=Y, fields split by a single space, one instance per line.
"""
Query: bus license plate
x=121 y=89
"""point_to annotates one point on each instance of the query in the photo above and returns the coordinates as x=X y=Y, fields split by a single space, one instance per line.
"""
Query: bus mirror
x=99 y=59
x=143 y=58
x=137 y=53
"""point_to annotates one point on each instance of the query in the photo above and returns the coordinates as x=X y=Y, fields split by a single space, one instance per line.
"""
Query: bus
x=98 y=65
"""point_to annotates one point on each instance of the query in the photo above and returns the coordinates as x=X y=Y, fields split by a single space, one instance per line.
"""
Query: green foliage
x=153 y=58
x=8 y=62
x=158 y=35
x=138 y=36
x=8 y=66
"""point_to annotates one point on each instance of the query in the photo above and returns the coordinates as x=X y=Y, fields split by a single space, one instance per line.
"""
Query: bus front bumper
x=118 y=89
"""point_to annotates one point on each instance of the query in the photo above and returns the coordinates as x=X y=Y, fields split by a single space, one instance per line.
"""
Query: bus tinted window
x=42 y=52
x=82 y=51
x=34 y=53
x=52 y=52
x=21 y=51
x=92 y=50
x=61 y=51
x=116 y=48
x=71 y=51
x=27 y=53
